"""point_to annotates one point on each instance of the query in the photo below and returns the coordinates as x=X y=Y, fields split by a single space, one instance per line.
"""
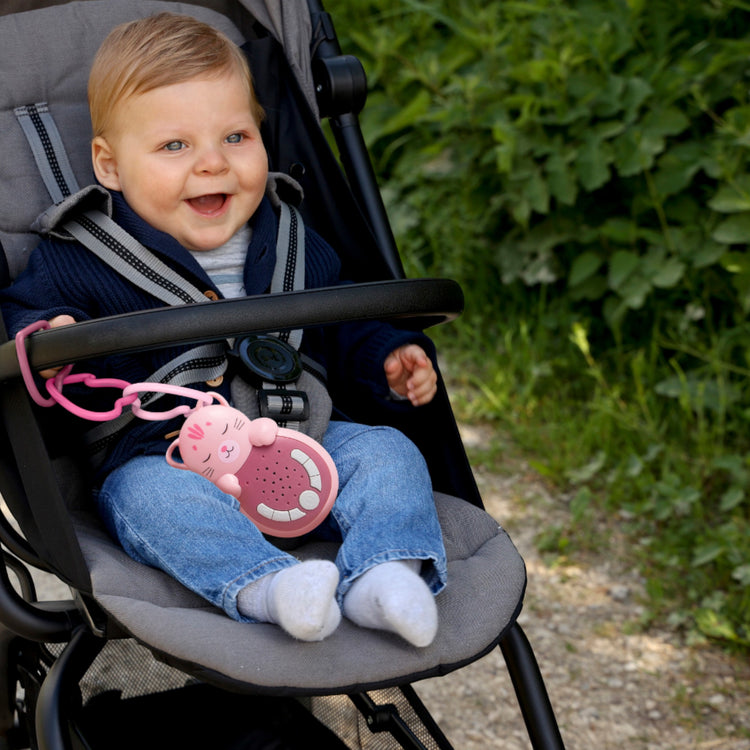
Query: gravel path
x=611 y=684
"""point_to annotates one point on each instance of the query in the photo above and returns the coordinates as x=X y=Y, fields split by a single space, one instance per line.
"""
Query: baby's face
x=188 y=158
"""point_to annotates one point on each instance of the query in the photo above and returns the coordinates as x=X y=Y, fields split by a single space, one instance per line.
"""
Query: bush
x=582 y=169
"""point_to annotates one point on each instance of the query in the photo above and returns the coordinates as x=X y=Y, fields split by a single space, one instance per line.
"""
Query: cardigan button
x=211 y=294
x=216 y=382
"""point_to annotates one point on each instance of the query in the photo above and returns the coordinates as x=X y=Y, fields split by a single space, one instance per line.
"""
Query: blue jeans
x=181 y=523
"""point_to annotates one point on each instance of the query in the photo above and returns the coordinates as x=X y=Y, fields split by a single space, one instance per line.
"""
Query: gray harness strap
x=120 y=250
x=289 y=273
x=283 y=402
x=48 y=150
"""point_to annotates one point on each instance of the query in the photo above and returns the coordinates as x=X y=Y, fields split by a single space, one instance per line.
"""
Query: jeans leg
x=385 y=509
x=181 y=523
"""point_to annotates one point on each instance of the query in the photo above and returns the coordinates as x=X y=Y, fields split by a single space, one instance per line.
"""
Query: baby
x=177 y=143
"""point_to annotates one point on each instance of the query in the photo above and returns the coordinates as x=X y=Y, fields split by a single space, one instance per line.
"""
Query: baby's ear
x=104 y=163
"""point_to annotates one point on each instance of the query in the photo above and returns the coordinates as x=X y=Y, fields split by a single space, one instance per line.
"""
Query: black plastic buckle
x=268 y=359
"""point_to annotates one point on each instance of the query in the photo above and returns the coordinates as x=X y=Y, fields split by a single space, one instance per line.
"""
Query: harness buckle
x=281 y=404
x=268 y=359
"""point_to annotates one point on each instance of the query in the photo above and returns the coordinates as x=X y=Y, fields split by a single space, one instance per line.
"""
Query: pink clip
x=129 y=392
x=55 y=385
x=23 y=363
x=200 y=396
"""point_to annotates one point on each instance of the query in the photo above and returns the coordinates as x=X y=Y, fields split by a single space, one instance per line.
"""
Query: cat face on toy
x=214 y=440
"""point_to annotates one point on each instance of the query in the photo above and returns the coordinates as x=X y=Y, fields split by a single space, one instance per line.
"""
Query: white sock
x=301 y=599
x=392 y=596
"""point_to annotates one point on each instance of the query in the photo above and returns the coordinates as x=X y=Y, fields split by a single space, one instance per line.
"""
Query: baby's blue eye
x=174 y=146
x=235 y=138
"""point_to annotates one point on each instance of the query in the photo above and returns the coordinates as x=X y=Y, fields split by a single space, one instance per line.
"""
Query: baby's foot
x=301 y=599
x=393 y=597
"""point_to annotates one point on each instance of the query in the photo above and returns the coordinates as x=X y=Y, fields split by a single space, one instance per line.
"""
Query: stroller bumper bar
x=419 y=303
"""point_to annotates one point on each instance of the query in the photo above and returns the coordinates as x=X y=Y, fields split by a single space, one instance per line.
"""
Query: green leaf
x=619 y=229
x=736 y=263
x=634 y=291
x=621 y=265
x=670 y=273
x=733 y=198
x=592 y=164
x=677 y=167
x=614 y=311
x=637 y=91
x=741 y=574
x=406 y=116
x=731 y=498
x=588 y=471
x=609 y=98
x=594 y=287
x=708 y=254
x=584 y=266
x=734 y=230
x=635 y=151
x=664 y=122
x=707 y=553
x=562 y=183
x=535 y=190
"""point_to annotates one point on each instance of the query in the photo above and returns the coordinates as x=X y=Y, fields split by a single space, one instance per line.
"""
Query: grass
x=631 y=439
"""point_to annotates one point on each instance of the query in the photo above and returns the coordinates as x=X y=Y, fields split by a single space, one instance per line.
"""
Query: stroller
x=133 y=658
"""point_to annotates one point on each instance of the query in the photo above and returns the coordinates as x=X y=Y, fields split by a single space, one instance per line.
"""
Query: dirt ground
x=611 y=684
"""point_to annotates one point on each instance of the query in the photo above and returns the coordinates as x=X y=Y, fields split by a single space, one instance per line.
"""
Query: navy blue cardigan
x=63 y=277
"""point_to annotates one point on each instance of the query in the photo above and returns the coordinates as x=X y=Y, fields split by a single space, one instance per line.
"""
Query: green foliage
x=599 y=145
x=581 y=167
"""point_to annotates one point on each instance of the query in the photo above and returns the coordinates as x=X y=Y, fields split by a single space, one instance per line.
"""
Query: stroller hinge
x=322 y=24
x=386 y=718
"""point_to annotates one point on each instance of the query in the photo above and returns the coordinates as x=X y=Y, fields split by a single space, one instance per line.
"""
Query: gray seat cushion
x=486 y=582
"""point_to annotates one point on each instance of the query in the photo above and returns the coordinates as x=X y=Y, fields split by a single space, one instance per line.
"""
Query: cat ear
x=171 y=461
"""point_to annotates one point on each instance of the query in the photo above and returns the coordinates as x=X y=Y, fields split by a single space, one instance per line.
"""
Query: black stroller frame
x=47 y=647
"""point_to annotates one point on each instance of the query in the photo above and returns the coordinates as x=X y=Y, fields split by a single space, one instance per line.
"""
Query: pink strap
x=55 y=386
x=129 y=392
x=23 y=363
x=175 y=390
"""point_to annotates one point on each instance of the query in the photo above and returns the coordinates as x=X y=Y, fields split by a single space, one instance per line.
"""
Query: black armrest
x=417 y=303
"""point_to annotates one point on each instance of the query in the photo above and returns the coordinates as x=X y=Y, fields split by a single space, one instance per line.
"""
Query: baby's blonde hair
x=160 y=50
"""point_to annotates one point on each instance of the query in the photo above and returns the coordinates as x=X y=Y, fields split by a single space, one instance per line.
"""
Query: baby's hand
x=56 y=322
x=410 y=373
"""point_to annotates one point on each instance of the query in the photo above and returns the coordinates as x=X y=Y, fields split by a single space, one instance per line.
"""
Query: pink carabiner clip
x=200 y=397
x=55 y=386
x=23 y=363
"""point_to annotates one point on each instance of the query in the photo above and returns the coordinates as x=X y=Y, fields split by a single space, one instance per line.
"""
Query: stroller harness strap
x=122 y=252
x=132 y=260
x=285 y=402
x=50 y=156
x=284 y=399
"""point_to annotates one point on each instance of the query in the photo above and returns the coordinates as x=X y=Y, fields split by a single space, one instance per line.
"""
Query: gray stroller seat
x=119 y=598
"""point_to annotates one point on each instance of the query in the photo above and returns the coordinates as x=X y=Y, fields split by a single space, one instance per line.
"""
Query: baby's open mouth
x=208 y=204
